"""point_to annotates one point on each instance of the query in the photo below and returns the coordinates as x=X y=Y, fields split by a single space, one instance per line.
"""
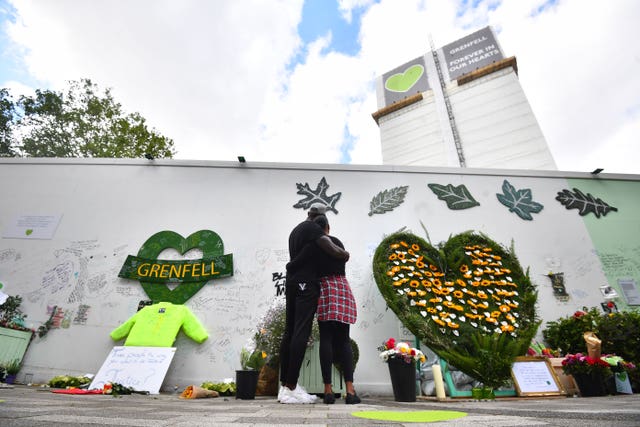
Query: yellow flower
x=415 y=247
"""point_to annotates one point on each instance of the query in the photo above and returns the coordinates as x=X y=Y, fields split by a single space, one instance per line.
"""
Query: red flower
x=579 y=314
x=391 y=343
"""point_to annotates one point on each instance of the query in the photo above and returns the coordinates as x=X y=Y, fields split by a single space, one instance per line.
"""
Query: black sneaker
x=329 y=398
x=352 y=399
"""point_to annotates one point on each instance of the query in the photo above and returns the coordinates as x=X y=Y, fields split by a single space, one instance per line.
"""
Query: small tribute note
x=32 y=227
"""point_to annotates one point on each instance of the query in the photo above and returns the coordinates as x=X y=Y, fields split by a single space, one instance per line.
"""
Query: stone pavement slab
x=25 y=406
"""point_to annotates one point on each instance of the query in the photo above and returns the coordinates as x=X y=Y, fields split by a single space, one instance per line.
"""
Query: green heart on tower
x=402 y=82
x=189 y=275
x=468 y=300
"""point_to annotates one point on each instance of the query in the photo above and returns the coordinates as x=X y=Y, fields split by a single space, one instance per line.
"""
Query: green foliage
x=270 y=331
x=566 y=333
x=7 y=112
x=252 y=360
x=618 y=332
x=13 y=367
x=83 y=121
x=64 y=381
x=489 y=359
x=223 y=389
x=10 y=312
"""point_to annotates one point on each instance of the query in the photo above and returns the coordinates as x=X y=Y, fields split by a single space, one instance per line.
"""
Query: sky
x=294 y=81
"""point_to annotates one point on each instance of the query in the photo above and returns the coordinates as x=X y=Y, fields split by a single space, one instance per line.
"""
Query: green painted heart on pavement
x=402 y=82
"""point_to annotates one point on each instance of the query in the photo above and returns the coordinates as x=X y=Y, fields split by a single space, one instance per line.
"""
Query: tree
x=7 y=110
x=81 y=122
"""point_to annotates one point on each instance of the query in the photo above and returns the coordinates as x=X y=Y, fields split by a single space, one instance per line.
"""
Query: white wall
x=110 y=207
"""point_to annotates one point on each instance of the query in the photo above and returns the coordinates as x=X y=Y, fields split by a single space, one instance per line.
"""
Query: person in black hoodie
x=336 y=312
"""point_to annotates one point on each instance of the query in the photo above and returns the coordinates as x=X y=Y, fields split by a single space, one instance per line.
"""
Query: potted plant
x=12 y=368
x=401 y=359
x=247 y=378
x=592 y=375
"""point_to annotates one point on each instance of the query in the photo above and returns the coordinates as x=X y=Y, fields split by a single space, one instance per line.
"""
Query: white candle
x=439 y=382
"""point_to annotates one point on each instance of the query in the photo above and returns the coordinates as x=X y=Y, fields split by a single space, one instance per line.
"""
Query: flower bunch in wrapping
x=391 y=349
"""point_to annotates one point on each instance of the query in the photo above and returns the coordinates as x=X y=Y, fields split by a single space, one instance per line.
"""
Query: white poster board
x=535 y=377
x=141 y=368
x=32 y=227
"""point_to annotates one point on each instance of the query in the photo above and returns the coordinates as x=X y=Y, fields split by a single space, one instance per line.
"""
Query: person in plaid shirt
x=336 y=312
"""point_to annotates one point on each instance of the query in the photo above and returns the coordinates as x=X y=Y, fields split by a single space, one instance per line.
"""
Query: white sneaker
x=301 y=390
x=296 y=396
x=280 y=390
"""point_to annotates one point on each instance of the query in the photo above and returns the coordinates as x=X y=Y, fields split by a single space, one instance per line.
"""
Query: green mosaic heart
x=452 y=296
x=402 y=82
x=206 y=240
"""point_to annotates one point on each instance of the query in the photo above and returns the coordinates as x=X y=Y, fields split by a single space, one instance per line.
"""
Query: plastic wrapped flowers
x=391 y=349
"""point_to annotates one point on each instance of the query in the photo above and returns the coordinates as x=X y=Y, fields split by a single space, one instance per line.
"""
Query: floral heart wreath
x=467 y=299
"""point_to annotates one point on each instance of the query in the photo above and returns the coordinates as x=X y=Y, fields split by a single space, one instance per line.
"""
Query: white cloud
x=213 y=75
x=198 y=71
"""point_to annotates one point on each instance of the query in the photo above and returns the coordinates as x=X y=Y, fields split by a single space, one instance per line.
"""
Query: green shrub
x=566 y=333
x=619 y=333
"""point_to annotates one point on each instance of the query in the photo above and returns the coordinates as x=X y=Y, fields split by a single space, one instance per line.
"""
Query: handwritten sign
x=141 y=368
x=535 y=377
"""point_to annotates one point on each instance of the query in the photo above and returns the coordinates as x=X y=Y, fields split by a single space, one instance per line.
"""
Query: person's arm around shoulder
x=325 y=243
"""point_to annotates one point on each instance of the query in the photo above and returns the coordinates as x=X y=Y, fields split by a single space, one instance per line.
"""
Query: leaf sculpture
x=387 y=200
x=468 y=300
x=319 y=195
x=584 y=203
x=456 y=197
x=518 y=201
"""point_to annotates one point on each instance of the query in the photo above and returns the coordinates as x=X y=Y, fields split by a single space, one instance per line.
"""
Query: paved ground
x=31 y=406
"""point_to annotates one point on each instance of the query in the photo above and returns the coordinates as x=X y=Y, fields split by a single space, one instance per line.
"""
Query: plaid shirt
x=336 y=300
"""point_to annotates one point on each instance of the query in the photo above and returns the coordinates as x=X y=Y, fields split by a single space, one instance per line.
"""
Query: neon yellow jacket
x=158 y=325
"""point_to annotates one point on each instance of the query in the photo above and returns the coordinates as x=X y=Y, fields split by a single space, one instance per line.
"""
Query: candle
x=439 y=383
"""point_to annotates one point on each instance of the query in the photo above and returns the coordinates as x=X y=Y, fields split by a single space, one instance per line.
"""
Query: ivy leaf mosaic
x=518 y=201
x=464 y=298
x=456 y=197
x=387 y=200
x=319 y=195
x=584 y=203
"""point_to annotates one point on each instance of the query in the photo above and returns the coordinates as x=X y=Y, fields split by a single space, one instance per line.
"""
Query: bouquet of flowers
x=582 y=364
x=391 y=349
x=537 y=349
x=617 y=364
